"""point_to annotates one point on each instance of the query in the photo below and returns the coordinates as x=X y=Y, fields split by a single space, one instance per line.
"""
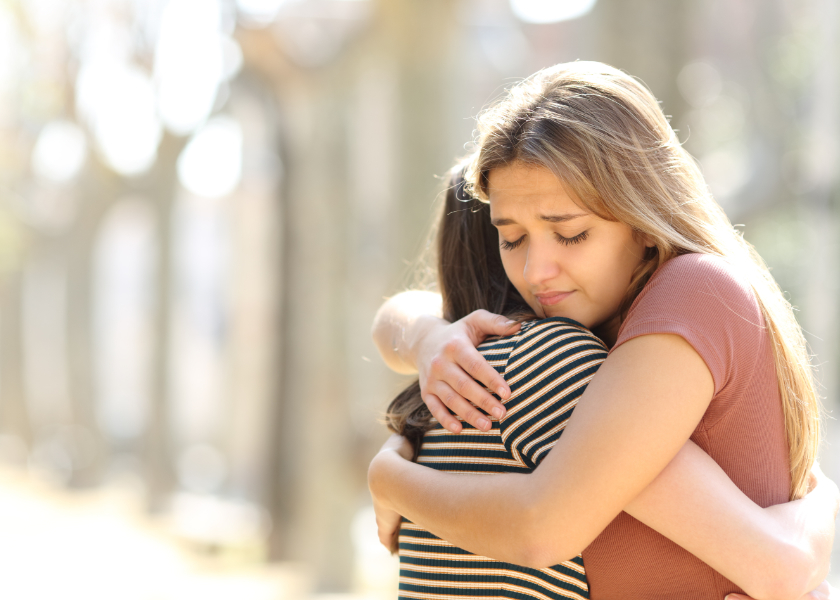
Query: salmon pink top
x=702 y=299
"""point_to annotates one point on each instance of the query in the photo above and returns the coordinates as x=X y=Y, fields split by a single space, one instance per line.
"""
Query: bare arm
x=779 y=552
x=644 y=403
x=400 y=322
x=626 y=428
x=411 y=337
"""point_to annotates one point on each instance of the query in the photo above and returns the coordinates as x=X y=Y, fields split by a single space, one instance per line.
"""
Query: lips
x=552 y=298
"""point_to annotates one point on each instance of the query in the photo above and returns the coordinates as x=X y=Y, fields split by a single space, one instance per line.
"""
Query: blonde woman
x=604 y=219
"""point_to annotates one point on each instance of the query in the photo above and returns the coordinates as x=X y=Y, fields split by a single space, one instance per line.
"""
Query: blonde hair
x=604 y=135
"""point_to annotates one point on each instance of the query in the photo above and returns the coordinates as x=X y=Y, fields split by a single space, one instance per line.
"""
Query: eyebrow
x=548 y=218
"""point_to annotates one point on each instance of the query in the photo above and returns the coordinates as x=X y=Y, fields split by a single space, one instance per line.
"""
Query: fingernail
x=497 y=412
x=510 y=323
x=502 y=392
x=483 y=424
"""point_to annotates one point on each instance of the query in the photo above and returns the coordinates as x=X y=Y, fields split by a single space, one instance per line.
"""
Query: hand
x=449 y=365
x=823 y=592
x=387 y=527
x=817 y=477
x=387 y=520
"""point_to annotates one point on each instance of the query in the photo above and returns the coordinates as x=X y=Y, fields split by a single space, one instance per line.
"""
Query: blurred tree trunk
x=14 y=417
x=157 y=451
x=649 y=40
x=318 y=482
x=97 y=193
x=820 y=179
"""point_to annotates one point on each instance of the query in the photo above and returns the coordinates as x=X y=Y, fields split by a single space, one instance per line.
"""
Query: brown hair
x=470 y=277
x=604 y=135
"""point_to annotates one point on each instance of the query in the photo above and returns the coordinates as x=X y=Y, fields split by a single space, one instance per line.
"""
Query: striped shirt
x=547 y=365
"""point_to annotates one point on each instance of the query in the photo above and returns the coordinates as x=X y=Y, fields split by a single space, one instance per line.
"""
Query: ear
x=644 y=238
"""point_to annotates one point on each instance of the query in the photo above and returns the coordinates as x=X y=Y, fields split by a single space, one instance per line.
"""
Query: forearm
x=400 y=322
x=484 y=514
x=508 y=516
x=780 y=552
x=609 y=452
x=809 y=523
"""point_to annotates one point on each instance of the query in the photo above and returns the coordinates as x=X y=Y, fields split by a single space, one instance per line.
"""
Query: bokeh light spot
x=189 y=63
x=211 y=163
x=550 y=11
x=117 y=102
x=60 y=151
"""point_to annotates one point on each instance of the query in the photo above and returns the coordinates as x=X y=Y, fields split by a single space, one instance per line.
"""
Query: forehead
x=521 y=187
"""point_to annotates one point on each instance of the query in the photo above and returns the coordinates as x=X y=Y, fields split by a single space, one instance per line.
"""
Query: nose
x=542 y=263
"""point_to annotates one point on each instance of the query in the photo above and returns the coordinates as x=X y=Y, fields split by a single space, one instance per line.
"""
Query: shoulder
x=548 y=370
x=554 y=330
x=699 y=282
x=691 y=269
x=707 y=301
x=555 y=342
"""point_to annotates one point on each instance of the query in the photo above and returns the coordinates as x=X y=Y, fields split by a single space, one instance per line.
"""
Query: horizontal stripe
x=547 y=365
x=441 y=591
x=487 y=571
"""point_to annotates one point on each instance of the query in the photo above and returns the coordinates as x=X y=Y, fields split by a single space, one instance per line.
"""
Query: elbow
x=539 y=543
x=382 y=336
x=791 y=575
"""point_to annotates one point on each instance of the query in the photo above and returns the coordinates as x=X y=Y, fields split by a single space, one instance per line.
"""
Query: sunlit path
x=98 y=545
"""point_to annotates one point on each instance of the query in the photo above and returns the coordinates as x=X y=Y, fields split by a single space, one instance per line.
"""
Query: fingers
x=441 y=413
x=455 y=377
x=456 y=404
x=459 y=374
x=483 y=323
x=388 y=536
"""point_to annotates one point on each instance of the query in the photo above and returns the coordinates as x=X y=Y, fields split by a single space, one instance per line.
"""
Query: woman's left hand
x=387 y=520
x=824 y=592
x=387 y=527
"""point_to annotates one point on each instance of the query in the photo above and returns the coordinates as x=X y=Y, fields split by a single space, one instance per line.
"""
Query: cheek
x=511 y=266
x=514 y=265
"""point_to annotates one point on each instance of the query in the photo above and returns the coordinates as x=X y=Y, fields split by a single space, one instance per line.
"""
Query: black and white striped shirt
x=547 y=365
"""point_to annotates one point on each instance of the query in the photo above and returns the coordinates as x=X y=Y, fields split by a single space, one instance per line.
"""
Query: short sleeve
x=704 y=300
x=547 y=371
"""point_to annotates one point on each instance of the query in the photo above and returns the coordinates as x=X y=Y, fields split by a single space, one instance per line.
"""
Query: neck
x=608 y=330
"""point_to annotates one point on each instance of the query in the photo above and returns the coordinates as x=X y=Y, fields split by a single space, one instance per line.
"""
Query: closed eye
x=506 y=245
x=572 y=240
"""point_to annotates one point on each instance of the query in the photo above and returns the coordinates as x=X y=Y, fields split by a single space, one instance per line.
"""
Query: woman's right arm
x=777 y=552
x=791 y=538
x=413 y=338
x=723 y=529
x=780 y=552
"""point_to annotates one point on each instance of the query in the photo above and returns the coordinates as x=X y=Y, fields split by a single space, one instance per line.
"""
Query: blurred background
x=204 y=202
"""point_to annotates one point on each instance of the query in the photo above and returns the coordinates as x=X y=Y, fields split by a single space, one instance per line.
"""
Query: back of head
x=470 y=273
x=470 y=277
